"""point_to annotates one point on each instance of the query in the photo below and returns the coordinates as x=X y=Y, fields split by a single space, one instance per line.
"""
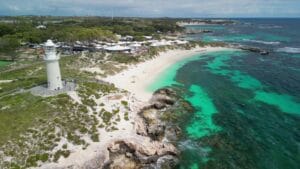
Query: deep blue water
x=247 y=106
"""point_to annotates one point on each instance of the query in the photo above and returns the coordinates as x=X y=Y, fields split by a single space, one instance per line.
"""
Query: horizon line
x=172 y=17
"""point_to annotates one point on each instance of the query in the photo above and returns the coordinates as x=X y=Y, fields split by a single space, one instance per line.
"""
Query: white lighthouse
x=53 y=71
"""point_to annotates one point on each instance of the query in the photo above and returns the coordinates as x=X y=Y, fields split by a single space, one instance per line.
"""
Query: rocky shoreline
x=151 y=143
x=155 y=148
x=252 y=49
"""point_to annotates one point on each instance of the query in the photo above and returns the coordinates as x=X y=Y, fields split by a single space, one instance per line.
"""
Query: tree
x=6 y=29
x=9 y=44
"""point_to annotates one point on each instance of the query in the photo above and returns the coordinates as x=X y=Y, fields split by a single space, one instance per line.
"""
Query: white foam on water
x=270 y=27
x=193 y=145
x=289 y=50
x=262 y=42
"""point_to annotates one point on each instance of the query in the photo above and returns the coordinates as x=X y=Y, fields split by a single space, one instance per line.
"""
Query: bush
x=125 y=103
x=44 y=157
x=126 y=116
x=65 y=146
x=124 y=58
x=59 y=153
x=95 y=137
x=31 y=161
x=106 y=117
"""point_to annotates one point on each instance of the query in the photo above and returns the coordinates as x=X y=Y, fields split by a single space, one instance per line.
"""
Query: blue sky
x=154 y=8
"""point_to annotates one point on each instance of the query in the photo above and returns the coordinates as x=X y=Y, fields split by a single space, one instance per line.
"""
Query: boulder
x=166 y=162
x=142 y=149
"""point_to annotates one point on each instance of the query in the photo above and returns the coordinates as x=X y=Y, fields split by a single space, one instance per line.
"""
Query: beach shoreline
x=137 y=78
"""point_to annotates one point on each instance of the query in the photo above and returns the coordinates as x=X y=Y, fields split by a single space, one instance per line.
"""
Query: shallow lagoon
x=247 y=106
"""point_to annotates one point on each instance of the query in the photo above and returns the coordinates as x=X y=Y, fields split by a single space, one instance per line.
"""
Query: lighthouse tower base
x=45 y=92
x=53 y=75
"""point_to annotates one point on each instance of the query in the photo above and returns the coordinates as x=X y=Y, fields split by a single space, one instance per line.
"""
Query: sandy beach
x=138 y=77
x=135 y=80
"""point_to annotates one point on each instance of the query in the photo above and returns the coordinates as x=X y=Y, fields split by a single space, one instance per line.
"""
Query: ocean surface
x=247 y=106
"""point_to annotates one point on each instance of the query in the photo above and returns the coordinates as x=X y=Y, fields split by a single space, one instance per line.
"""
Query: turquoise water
x=167 y=77
x=202 y=123
x=228 y=38
x=296 y=56
x=198 y=98
x=218 y=66
x=272 y=37
x=235 y=111
x=243 y=38
x=285 y=103
x=246 y=106
x=207 y=27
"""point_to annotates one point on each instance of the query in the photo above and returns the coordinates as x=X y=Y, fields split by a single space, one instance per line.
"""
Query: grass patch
x=22 y=112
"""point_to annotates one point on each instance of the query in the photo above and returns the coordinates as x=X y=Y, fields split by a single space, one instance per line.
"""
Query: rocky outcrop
x=151 y=148
x=192 y=31
x=139 y=153
x=250 y=49
x=254 y=49
x=162 y=114
x=153 y=113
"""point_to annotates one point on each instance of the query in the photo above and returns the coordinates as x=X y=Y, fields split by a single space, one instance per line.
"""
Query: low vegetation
x=35 y=130
x=70 y=29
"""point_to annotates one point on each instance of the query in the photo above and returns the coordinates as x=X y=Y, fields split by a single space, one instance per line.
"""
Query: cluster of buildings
x=124 y=45
x=51 y=58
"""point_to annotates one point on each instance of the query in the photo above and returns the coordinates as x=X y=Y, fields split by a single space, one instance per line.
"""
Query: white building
x=181 y=42
x=148 y=37
x=41 y=27
x=117 y=48
x=53 y=70
x=161 y=43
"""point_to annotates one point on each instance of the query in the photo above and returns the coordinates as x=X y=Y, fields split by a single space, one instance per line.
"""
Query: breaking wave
x=262 y=42
x=289 y=50
x=270 y=27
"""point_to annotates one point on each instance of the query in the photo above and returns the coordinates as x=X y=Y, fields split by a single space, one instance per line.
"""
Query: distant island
x=190 y=22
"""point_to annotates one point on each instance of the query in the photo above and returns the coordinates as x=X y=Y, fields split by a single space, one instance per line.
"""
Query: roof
x=135 y=45
x=161 y=43
x=117 y=48
x=41 y=27
x=180 y=42
x=49 y=43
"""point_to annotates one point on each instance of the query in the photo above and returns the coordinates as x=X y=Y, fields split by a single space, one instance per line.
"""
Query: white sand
x=98 y=150
x=137 y=78
x=143 y=75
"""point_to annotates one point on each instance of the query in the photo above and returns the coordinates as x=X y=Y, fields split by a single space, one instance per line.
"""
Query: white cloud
x=13 y=7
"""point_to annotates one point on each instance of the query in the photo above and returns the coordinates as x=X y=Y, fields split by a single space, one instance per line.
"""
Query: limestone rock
x=140 y=127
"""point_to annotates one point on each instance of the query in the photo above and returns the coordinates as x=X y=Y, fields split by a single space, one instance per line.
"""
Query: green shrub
x=95 y=137
x=31 y=161
x=126 y=116
x=125 y=103
x=44 y=157
x=106 y=117
x=65 y=146
x=59 y=153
